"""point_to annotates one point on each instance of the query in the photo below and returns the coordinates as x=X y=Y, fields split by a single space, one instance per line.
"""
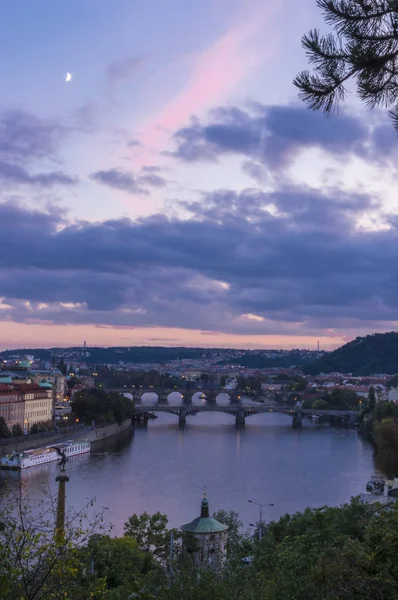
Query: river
x=162 y=468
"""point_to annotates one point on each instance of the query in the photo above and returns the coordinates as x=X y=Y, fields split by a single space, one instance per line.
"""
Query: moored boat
x=39 y=456
x=376 y=485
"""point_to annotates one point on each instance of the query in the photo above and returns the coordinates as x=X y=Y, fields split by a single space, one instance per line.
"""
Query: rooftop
x=204 y=523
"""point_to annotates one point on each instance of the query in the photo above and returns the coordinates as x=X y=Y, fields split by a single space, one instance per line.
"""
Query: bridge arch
x=175 y=397
x=147 y=398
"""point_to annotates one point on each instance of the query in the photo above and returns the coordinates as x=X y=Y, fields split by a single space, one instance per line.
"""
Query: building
x=393 y=395
x=271 y=387
x=191 y=375
x=57 y=380
x=205 y=538
x=38 y=403
x=12 y=406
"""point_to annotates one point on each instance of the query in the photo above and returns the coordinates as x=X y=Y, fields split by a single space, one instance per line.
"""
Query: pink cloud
x=215 y=73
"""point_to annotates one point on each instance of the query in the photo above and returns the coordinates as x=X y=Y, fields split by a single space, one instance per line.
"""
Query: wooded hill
x=375 y=353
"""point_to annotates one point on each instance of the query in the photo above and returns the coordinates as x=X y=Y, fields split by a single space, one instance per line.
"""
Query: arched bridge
x=241 y=411
x=187 y=394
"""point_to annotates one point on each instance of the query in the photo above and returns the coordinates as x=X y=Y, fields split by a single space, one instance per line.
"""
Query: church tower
x=205 y=538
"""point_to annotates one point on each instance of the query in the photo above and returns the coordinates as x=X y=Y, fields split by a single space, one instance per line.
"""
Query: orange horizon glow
x=21 y=335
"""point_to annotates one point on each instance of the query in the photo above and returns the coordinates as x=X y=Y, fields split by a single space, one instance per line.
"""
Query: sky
x=176 y=191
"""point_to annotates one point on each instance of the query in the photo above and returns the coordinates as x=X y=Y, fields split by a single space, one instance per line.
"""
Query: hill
x=267 y=359
x=113 y=355
x=376 y=353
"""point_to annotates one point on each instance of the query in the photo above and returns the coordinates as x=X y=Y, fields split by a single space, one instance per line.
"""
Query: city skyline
x=174 y=191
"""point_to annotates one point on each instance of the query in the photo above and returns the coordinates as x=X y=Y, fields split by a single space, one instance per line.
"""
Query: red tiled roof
x=29 y=387
x=6 y=387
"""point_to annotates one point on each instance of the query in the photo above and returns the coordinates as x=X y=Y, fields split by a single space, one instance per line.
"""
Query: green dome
x=46 y=384
x=204 y=523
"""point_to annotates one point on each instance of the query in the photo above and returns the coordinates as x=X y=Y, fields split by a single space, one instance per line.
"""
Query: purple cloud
x=119 y=180
x=24 y=136
x=232 y=257
x=18 y=175
x=122 y=180
x=274 y=135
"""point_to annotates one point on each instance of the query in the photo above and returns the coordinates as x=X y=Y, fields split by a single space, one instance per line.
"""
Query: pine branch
x=364 y=46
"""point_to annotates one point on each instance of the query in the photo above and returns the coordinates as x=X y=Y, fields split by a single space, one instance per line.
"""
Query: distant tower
x=84 y=345
x=205 y=538
x=318 y=346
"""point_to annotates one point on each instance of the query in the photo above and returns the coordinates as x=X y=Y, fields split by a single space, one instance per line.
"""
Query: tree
x=72 y=382
x=230 y=518
x=4 y=429
x=17 y=430
x=320 y=404
x=386 y=438
x=343 y=399
x=364 y=48
x=62 y=366
x=151 y=533
x=95 y=404
x=371 y=399
x=32 y=566
x=120 y=562
x=393 y=382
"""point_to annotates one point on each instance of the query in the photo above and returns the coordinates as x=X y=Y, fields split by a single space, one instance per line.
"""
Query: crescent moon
x=68 y=77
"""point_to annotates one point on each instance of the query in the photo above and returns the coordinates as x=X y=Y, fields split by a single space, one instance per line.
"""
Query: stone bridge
x=208 y=394
x=241 y=412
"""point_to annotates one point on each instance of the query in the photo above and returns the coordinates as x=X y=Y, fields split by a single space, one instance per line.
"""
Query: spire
x=204 y=506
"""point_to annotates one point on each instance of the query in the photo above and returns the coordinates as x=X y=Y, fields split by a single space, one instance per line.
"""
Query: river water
x=163 y=468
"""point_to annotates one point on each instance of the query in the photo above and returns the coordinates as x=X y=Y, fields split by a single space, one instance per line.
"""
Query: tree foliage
x=96 y=405
x=4 y=429
x=152 y=534
x=362 y=48
x=371 y=403
x=343 y=553
x=17 y=430
x=32 y=565
x=393 y=382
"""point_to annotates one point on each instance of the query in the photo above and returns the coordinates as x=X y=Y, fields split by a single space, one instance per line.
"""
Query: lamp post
x=260 y=531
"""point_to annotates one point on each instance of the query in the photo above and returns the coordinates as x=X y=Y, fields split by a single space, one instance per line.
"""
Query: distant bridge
x=241 y=411
x=209 y=394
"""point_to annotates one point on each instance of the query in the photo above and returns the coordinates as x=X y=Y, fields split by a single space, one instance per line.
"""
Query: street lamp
x=260 y=531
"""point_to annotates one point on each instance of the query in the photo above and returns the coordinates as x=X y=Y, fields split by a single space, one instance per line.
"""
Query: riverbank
x=91 y=434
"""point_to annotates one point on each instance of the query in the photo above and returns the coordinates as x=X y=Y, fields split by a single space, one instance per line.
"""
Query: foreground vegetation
x=329 y=553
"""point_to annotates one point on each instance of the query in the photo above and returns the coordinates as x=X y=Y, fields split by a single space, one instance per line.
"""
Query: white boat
x=32 y=458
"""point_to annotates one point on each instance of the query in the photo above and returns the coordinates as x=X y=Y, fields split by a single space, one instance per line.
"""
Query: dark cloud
x=152 y=179
x=10 y=173
x=119 y=180
x=294 y=256
x=122 y=180
x=255 y=171
x=26 y=137
x=274 y=135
